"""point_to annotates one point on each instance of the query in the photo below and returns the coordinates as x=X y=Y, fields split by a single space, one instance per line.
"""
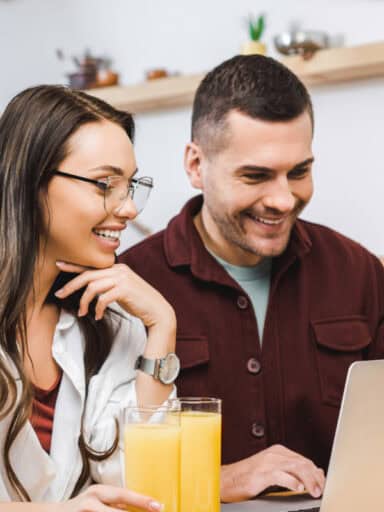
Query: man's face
x=255 y=187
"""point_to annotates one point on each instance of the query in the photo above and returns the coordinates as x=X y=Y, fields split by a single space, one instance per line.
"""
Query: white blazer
x=52 y=477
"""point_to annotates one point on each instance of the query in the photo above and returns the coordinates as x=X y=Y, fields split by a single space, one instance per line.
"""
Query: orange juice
x=152 y=462
x=200 y=461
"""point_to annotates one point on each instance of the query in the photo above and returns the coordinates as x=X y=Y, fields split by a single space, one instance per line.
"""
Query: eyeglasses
x=117 y=189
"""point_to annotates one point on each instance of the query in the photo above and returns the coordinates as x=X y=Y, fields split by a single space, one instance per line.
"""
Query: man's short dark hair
x=255 y=85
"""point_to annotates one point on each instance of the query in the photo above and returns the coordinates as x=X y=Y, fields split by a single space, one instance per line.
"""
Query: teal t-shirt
x=256 y=282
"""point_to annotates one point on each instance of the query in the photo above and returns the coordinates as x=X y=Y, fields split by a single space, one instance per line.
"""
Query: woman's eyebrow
x=112 y=168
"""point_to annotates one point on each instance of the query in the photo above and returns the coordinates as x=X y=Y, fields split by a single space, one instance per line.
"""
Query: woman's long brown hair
x=34 y=133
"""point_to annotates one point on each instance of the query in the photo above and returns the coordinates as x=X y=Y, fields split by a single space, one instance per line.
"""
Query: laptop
x=355 y=479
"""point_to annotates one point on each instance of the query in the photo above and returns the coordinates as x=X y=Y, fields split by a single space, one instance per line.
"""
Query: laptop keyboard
x=316 y=509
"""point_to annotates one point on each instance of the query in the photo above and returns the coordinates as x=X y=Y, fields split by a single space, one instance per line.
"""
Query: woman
x=72 y=322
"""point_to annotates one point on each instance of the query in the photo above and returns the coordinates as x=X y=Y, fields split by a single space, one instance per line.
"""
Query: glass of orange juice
x=200 y=421
x=152 y=453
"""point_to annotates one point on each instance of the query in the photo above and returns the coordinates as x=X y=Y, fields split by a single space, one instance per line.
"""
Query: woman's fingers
x=82 y=280
x=130 y=291
x=93 y=289
x=103 y=301
x=71 y=267
x=119 y=496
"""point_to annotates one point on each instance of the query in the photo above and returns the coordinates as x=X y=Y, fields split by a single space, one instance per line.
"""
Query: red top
x=43 y=411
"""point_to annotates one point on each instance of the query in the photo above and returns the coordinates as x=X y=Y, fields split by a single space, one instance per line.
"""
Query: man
x=271 y=310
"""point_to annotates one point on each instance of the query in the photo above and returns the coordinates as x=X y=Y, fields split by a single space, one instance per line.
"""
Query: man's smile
x=268 y=221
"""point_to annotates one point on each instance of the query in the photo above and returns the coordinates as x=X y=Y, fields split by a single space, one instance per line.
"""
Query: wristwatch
x=165 y=369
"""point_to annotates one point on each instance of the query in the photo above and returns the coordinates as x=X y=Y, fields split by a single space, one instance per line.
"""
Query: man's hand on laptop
x=273 y=466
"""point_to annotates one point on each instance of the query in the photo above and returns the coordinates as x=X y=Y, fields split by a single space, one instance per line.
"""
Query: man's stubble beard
x=232 y=233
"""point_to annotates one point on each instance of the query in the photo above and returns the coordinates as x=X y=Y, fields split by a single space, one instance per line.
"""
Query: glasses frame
x=103 y=184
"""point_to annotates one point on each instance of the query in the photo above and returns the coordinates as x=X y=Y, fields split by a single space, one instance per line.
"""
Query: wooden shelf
x=340 y=64
x=160 y=94
x=326 y=66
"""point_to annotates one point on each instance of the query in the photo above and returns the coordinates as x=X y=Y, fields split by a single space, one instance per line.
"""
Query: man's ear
x=192 y=164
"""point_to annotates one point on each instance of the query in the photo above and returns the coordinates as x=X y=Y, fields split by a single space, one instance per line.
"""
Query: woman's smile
x=108 y=237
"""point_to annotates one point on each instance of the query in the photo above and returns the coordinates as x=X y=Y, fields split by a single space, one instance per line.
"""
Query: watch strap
x=148 y=366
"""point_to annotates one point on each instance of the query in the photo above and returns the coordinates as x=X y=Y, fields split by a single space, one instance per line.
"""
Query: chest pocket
x=338 y=342
x=193 y=352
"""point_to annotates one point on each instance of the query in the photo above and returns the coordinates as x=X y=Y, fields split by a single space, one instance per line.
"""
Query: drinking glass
x=200 y=422
x=152 y=453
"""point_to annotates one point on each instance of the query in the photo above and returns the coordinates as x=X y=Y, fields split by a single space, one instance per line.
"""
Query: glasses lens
x=140 y=193
x=119 y=189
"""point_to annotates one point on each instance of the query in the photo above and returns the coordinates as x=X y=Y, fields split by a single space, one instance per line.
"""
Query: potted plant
x=256 y=27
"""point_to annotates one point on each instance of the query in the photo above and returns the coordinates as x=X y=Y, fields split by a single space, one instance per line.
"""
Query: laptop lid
x=355 y=479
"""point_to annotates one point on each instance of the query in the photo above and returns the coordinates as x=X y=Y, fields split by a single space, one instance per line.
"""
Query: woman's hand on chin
x=118 y=284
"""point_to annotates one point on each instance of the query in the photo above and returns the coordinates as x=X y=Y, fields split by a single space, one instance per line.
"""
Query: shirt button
x=253 y=366
x=242 y=302
x=258 y=430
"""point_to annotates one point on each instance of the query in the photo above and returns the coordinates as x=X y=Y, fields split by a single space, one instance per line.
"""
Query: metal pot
x=302 y=42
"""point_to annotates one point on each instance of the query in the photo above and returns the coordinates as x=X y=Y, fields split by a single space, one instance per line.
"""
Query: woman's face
x=79 y=229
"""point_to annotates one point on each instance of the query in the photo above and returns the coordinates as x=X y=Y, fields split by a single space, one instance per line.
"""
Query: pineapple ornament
x=256 y=29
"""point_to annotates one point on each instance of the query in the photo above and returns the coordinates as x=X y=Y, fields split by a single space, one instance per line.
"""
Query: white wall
x=192 y=36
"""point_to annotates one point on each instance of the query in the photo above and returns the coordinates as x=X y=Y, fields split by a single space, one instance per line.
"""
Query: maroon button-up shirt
x=326 y=310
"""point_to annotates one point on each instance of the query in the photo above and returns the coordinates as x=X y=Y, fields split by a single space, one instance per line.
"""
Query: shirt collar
x=184 y=247
x=66 y=320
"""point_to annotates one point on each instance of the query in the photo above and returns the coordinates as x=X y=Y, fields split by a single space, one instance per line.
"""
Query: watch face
x=169 y=368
